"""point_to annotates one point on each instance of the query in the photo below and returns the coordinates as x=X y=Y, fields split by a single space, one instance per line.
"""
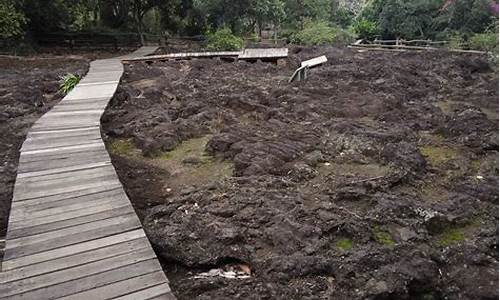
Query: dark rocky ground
x=375 y=179
x=29 y=87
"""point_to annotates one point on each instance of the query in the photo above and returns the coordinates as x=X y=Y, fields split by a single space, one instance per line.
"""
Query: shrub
x=365 y=29
x=224 y=39
x=321 y=33
x=456 y=40
x=487 y=41
x=344 y=37
x=68 y=82
x=11 y=21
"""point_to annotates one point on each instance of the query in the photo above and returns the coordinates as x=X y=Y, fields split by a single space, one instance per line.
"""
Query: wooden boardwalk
x=245 y=54
x=73 y=233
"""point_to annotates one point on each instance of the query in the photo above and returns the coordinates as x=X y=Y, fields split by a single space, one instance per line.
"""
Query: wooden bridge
x=251 y=54
x=73 y=233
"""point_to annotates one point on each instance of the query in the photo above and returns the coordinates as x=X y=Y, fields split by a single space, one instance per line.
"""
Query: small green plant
x=316 y=33
x=224 y=39
x=344 y=244
x=451 y=236
x=68 y=82
x=365 y=29
x=383 y=237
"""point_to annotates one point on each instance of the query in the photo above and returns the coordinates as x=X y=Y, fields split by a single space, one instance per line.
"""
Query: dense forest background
x=465 y=23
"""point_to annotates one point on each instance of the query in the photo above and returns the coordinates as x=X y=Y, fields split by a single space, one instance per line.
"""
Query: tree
x=11 y=20
x=402 y=19
x=139 y=9
x=267 y=12
x=467 y=16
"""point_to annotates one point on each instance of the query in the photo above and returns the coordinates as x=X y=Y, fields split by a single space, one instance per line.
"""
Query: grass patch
x=451 y=236
x=383 y=237
x=438 y=155
x=190 y=148
x=122 y=147
x=192 y=164
x=344 y=244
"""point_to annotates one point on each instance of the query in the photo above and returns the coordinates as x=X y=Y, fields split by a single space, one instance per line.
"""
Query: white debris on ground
x=239 y=271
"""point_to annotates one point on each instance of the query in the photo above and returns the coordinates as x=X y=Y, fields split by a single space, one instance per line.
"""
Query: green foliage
x=465 y=16
x=344 y=244
x=487 y=41
x=11 y=20
x=299 y=12
x=403 y=19
x=366 y=29
x=383 y=237
x=68 y=82
x=427 y=18
x=224 y=39
x=342 y=17
x=321 y=33
x=456 y=40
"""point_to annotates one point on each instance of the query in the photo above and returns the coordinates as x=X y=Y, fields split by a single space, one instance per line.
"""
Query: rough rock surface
x=376 y=178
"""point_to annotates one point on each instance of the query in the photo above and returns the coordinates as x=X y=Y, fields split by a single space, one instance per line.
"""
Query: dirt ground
x=28 y=88
x=377 y=178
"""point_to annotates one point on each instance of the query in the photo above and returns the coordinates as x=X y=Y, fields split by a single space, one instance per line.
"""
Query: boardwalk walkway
x=72 y=232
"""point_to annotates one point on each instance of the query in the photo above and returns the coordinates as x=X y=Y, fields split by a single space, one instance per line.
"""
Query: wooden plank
x=314 y=61
x=62 y=189
x=261 y=53
x=98 y=82
x=127 y=225
x=31 y=230
x=91 y=112
x=33 y=212
x=84 y=196
x=66 y=122
x=10 y=264
x=74 y=260
x=70 y=231
x=91 y=282
x=149 y=293
x=58 y=162
x=403 y=47
x=35 y=166
x=61 y=156
x=167 y=296
x=68 y=215
x=86 y=135
x=48 y=144
x=64 y=149
x=66 y=178
x=32 y=283
x=64 y=196
x=80 y=107
x=63 y=170
x=41 y=145
x=62 y=131
x=186 y=55
x=121 y=288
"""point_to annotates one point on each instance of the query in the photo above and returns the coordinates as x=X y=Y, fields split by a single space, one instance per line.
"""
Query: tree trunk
x=141 y=34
